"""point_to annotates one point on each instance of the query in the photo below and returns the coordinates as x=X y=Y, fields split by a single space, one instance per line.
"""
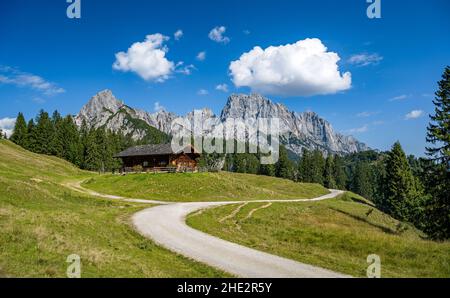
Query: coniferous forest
x=410 y=189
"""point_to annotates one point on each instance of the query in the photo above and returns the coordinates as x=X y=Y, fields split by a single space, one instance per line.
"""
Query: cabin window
x=145 y=164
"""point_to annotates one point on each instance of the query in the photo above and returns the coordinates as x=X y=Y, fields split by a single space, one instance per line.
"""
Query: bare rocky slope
x=299 y=130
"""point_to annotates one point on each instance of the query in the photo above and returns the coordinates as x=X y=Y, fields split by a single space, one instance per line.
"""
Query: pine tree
x=439 y=128
x=339 y=174
x=1 y=134
x=284 y=167
x=44 y=133
x=20 y=133
x=267 y=170
x=93 y=158
x=362 y=180
x=31 y=142
x=84 y=133
x=305 y=166
x=56 y=117
x=328 y=175
x=71 y=144
x=317 y=167
x=438 y=207
x=59 y=137
x=401 y=188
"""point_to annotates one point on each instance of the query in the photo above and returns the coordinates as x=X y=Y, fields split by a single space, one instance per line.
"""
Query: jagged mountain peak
x=204 y=112
x=251 y=105
x=298 y=130
x=107 y=99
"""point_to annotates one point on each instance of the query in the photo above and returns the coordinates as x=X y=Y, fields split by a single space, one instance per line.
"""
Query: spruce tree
x=31 y=142
x=305 y=166
x=20 y=133
x=44 y=133
x=268 y=170
x=71 y=143
x=438 y=135
x=93 y=158
x=401 y=188
x=328 y=175
x=59 y=136
x=284 y=167
x=439 y=128
x=317 y=167
x=362 y=180
x=84 y=133
x=339 y=174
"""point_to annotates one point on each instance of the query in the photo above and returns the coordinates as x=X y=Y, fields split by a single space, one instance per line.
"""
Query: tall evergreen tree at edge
x=438 y=135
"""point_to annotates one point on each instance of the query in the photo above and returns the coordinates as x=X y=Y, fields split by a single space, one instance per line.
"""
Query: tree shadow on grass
x=362 y=219
x=356 y=200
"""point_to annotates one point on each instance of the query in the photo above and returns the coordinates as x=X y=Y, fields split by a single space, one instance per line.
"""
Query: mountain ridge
x=298 y=130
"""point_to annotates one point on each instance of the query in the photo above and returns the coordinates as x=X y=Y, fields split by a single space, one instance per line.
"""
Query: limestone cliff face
x=299 y=130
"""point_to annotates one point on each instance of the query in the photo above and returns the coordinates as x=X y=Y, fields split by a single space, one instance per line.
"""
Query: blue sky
x=52 y=62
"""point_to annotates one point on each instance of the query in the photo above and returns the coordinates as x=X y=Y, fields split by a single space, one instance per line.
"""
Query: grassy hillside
x=221 y=186
x=337 y=234
x=42 y=222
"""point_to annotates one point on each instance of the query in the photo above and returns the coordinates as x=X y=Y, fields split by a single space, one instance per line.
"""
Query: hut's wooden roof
x=152 y=149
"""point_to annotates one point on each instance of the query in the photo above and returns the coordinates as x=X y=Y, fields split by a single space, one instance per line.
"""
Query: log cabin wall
x=182 y=162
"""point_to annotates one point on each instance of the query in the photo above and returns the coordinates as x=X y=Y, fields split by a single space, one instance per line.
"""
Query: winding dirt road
x=166 y=225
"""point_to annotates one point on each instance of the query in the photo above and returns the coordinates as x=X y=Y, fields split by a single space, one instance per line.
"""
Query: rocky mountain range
x=298 y=130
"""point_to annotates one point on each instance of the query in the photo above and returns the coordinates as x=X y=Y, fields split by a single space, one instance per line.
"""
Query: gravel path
x=166 y=225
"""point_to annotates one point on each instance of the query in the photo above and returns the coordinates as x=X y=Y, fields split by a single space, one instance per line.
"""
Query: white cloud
x=365 y=59
x=186 y=70
x=147 y=59
x=222 y=87
x=414 y=114
x=201 y=56
x=202 y=92
x=22 y=79
x=246 y=32
x=399 y=97
x=361 y=129
x=304 y=68
x=178 y=35
x=7 y=125
x=216 y=34
x=158 y=107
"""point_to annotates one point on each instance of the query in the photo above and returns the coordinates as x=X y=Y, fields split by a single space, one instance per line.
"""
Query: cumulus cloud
x=202 y=92
x=304 y=68
x=147 y=59
x=178 y=34
x=201 y=56
x=222 y=87
x=365 y=59
x=7 y=125
x=9 y=75
x=414 y=114
x=217 y=35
